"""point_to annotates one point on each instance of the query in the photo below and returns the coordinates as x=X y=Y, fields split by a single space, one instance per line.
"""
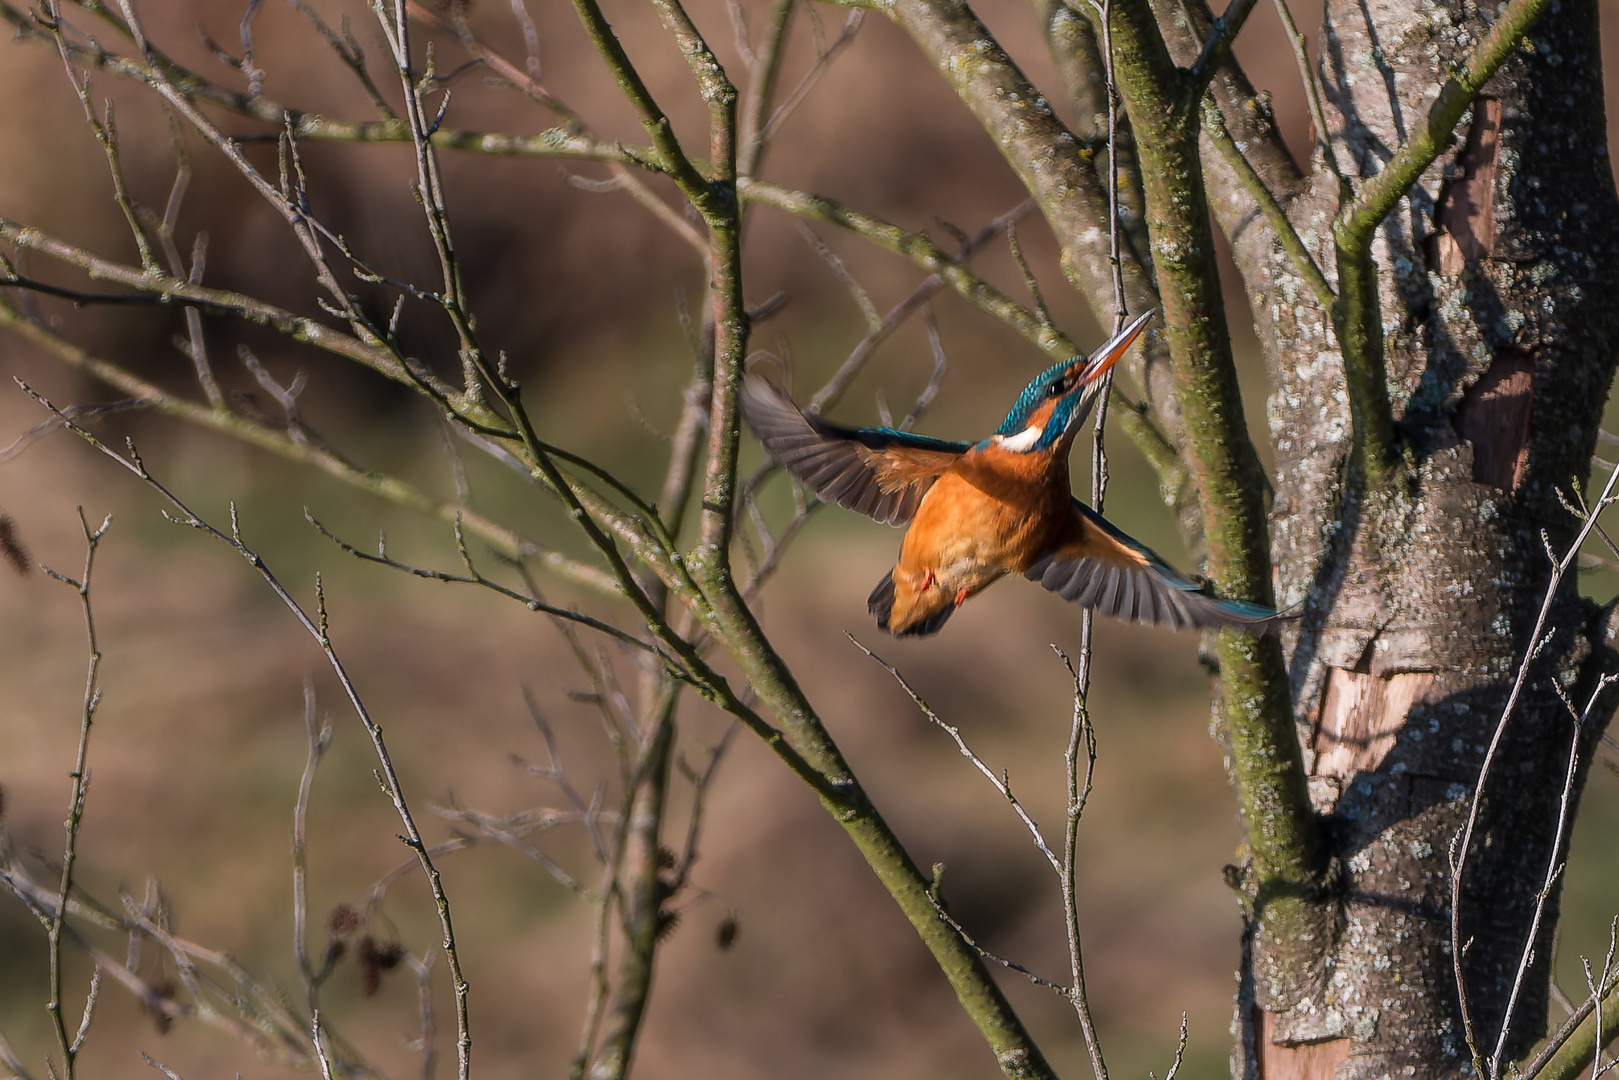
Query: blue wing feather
x=884 y=438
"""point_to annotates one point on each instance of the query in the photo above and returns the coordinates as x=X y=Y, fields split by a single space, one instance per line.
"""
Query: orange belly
x=978 y=522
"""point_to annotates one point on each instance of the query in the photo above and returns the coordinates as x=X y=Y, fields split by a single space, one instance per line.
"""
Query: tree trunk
x=1497 y=280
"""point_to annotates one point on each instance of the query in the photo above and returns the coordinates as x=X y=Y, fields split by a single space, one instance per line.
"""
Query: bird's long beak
x=1099 y=364
x=1103 y=359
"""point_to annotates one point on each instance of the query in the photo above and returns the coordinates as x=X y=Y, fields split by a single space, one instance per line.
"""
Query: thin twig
x=1312 y=86
x=1463 y=843
x=941 y=365
x=9 y=1058
x=426 y=1042
x=1081 y=733
x=319 y=738
x=1011 y=965
x=700 y=784
x=1032 y=283
x=1104 y=11
x=146 y=395
x=1077 y=796
x=474 y=577
x=1594 y=989
x=1081 y=742
x=1554 y=863
x=430 y=193
x=764 y=71
x=1002 y=782
x=874 y=320
x=196 y=347
x=78 y=412
x=924 y=291
x=1180 y=1054
x=488 y=825
x=348 y=51
x=105 y=130
x=90 y=1000
x=69 y=1048
x=249 y=1011
x=825 y=54
x=317 y=629
x=558 y=775
x=159 y=1066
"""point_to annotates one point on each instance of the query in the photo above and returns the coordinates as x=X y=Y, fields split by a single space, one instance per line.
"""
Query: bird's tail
x=881 y=605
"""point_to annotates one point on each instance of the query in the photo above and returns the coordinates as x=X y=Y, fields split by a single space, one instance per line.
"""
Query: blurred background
x=200 y=740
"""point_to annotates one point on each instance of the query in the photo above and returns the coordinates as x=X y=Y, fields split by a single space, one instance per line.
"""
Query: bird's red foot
x=961 y=597
x=927 y=580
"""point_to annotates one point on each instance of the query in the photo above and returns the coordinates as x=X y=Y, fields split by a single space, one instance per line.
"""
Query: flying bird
x=978 y=511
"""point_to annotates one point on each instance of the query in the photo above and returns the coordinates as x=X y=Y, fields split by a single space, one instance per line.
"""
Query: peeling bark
x=1301 y=1061
x=1464 y=221
x=1494 y=417
x=1361 y=716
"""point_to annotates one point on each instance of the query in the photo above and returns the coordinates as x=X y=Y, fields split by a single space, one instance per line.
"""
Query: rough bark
x=1495 y=276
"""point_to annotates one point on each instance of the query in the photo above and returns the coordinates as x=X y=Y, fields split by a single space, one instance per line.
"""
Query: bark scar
x=1494 y=417
x=1297 y=1061
x=1465 y=212
x=1361 y=716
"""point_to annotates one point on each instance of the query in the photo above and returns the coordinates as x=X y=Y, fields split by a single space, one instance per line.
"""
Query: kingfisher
x=981 y=510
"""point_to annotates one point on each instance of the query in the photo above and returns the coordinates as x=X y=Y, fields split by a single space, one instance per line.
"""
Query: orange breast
x=993 y=513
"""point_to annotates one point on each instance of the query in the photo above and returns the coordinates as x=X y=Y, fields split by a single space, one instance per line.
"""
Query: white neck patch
x=1022 y=442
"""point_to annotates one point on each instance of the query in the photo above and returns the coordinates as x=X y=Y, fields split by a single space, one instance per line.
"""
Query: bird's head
x=1054 y=406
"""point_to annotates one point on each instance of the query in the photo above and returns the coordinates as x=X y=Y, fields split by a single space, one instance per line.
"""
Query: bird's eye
x=1061 y=386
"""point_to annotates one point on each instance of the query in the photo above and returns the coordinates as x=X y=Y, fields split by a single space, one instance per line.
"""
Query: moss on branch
x=1283 y=832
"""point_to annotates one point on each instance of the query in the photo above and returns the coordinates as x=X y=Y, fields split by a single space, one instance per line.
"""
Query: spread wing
x=1097 y=566
x=879 y=472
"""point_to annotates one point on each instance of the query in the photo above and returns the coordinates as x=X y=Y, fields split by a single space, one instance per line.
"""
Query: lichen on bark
x=1419 y=596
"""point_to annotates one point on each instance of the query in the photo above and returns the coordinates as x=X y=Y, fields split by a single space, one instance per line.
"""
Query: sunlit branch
x=1216 y=51
x=1283 y=831
x=1312 y=87
x=1281 y=225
